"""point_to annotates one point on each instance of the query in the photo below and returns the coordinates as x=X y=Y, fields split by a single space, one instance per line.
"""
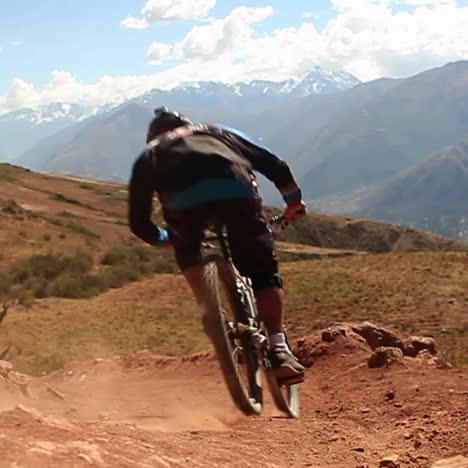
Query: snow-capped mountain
x=49 y=113
x=22 y=129
x=217 y=94
x=322 y=81
x=318 y=81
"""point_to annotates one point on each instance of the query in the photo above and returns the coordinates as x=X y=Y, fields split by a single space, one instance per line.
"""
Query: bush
x=117 y=276
x=34 y=274
x=63 y=198
x=77 y=287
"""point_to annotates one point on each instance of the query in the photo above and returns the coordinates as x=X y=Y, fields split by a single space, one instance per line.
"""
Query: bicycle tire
x=286 y=397
x=217 y=272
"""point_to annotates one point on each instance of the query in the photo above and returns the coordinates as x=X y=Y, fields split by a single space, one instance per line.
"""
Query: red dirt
x=154 y=411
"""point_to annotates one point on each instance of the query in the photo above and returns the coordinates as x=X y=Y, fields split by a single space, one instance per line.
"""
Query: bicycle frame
x=286 y=397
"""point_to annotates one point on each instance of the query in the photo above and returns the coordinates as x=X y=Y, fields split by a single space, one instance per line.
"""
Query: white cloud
x=166 y=11
x=366 y=37
x=219 y=37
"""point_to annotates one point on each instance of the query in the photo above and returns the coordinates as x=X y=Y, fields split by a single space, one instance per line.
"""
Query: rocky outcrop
x=387 y=347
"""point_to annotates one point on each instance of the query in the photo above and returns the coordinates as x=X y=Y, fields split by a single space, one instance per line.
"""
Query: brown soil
x=155 y=411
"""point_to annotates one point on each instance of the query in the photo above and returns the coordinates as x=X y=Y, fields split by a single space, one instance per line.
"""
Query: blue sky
x=84 y=37
x=54 y=49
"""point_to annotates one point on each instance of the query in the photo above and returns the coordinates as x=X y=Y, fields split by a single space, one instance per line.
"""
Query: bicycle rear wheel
x=227 y=324
x=285 y=396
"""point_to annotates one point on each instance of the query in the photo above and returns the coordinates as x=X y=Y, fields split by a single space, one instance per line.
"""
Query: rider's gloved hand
x=295 y=211
x=296 y=208
x=163 y=240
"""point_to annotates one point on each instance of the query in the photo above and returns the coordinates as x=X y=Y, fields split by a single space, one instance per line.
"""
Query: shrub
x=76 y=287
x=85 y=186
x=63 y=198
x=117 y=276
x=11 y=207
x=46 y=237
x=34 y=274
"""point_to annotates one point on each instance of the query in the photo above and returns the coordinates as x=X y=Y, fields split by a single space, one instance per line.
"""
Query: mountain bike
x=239 y=338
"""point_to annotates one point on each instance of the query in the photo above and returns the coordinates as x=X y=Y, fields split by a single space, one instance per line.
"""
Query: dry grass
x=417 y=293
x=423 y=294
x=420 y=293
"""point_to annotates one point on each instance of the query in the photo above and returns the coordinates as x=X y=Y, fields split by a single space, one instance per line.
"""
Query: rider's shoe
x=286 y=368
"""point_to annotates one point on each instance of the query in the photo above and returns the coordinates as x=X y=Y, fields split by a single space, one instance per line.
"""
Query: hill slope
x=432 y=194
x=398 y=128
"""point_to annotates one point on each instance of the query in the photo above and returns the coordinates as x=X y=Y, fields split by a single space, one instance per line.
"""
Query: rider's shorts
x=250 y=237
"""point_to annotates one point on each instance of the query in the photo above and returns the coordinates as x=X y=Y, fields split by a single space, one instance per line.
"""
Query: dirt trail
x=154 y=411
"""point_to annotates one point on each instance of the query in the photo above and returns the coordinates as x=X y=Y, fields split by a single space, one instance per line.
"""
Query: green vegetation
x=420 y=294
x=63 y=198
x=71 y=276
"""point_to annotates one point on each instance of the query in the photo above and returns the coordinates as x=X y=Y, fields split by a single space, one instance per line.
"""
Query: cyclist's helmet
x=165 y=120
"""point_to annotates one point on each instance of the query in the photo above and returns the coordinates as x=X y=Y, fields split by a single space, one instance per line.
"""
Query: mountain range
x=22 y=130
x=365 y=149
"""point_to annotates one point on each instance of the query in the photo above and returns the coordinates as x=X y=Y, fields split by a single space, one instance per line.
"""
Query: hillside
x=109 y=378
x=65 y=237
x=396 y=129
x=432 y=193
x=44 y=211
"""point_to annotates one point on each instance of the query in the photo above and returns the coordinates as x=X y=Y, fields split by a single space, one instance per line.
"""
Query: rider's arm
x=140 y=204
x=268 y=164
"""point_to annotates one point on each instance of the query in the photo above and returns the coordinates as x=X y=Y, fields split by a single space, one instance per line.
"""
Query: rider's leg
x=193 y=275
x=194 y=278
x=270 y=308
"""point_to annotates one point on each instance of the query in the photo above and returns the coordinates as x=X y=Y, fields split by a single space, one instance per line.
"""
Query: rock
x=425 y=357
x=390 y=395
x=418 y=440
x=56 y=393
x=377 y=337
x=415 y=344
x=389 y=462
x=309 y=349
x=86 y=458
x=454 y=462
x=5 y=368
x=385 y=357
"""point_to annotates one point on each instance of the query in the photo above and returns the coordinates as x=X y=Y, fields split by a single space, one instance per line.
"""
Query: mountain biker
x=203 y=174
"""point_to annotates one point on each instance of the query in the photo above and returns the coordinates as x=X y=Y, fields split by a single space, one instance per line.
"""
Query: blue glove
x=163 y=240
